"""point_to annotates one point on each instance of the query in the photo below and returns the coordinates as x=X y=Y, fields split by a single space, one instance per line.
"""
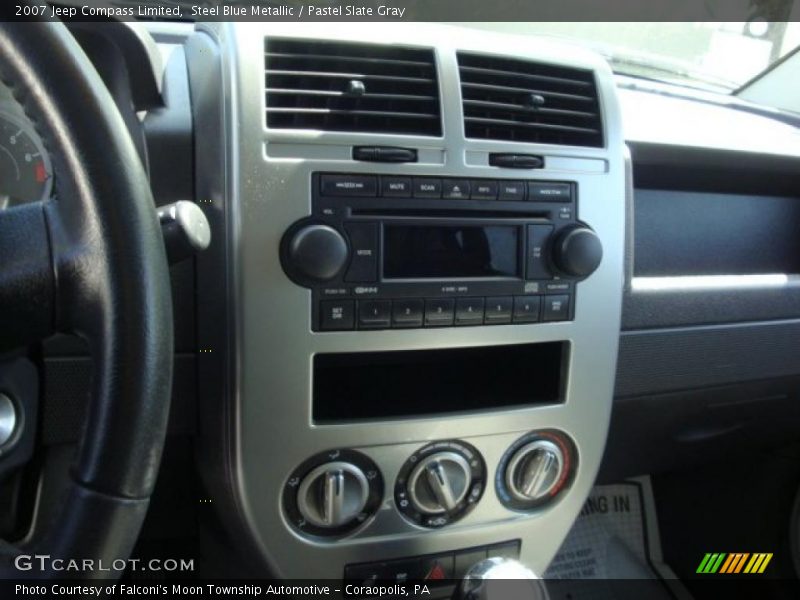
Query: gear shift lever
x=501 y=579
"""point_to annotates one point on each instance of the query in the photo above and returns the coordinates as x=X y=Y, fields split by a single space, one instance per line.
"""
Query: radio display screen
x=450 y=251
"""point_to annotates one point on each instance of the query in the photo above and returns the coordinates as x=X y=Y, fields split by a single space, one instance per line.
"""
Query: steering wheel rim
x=90 y=262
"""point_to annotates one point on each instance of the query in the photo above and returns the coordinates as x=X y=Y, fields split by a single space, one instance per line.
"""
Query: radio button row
x=456 y=189
x=337 y=315
x=439 y=312
x=469 y=311
x=374 y=314
x=396 y=187
x=407 y=313
x=349 y=185
x=426 y=187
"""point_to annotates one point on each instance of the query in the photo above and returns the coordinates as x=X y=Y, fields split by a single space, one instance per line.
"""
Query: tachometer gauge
x=25 y=171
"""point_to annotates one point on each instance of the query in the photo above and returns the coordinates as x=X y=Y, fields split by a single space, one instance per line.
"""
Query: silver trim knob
x=499 y=579
x=439 y=483
x=534 y=470
x=333 y=494
x=8 y=419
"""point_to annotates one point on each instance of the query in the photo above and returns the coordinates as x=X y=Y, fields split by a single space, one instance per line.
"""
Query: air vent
x=521 y=101
x=351 y=87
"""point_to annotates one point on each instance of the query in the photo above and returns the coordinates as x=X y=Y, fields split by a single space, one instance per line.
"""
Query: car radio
x=388 y=251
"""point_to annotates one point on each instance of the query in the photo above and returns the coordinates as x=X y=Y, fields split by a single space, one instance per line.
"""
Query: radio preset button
x=349 y=185
x=364 y=252
x=396 y=187
x=374 y=314
x=484 y=190
x=407 y=313
x=539 y=191
x=498 y=310
x=456 y=189
x=526 y=309
x=512 y=191
x=556 y=308
x=439 y=312
x=469 y=311
x=426 y=187
x=337 y=315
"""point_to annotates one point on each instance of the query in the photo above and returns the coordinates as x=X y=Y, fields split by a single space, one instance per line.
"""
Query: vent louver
x=520 y=101
x=365 y=88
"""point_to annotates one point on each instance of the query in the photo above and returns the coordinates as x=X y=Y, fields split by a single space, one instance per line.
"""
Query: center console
x=424 y=259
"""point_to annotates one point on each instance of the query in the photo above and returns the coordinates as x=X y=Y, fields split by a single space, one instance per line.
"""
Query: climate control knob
x=440 y=483
x=577 y=252
x=535 y=470
x=332 y=493
x=314 y=252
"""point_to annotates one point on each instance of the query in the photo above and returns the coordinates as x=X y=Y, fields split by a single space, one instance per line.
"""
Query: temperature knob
x=535 y=470
x=333 y=493
x=440 y=483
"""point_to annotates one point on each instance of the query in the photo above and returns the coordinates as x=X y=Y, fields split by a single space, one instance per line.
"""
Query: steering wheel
x=90 y=262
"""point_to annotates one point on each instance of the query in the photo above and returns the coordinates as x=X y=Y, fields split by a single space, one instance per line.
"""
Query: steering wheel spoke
x=27 y=281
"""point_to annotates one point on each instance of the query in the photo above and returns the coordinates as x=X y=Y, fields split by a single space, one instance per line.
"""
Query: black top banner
x=404 y=10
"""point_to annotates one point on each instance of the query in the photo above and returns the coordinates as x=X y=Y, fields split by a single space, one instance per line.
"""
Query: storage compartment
x=379 y=385
x=700 y=233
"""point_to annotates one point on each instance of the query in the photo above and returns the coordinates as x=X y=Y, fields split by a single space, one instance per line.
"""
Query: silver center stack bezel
x=267 y=188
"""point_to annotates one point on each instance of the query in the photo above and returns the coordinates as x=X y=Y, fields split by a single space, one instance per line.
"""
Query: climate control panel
x=337 y=492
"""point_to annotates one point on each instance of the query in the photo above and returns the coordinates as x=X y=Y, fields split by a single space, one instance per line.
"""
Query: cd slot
x=446 y=213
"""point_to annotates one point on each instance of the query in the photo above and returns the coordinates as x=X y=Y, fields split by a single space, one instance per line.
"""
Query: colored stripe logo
x=733 y=563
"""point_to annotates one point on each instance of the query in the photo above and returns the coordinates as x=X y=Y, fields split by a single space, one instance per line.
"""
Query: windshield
x=718 y=56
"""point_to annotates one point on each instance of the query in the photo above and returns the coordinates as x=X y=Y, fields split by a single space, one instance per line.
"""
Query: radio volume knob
x=577 y=252
x=315 y=253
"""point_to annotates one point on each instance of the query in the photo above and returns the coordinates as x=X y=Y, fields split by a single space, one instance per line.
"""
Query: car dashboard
x=457 y=278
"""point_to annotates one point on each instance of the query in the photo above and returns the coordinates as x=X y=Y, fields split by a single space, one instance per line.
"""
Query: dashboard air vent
x=520 y=101
x=335 y=86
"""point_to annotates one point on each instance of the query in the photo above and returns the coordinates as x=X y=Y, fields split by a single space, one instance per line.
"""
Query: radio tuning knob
x=333 y=494
x=534 y=470
x=577 y=252
x=439 y=482
x=316 y=253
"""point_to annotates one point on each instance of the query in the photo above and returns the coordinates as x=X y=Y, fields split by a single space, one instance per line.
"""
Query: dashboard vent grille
x=521 y=101
x=366 y=88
